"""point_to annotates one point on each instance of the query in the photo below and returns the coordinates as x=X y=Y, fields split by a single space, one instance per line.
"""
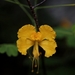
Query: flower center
x=36 y=36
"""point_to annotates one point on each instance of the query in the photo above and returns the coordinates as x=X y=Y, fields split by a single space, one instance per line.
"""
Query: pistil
x=35 y=62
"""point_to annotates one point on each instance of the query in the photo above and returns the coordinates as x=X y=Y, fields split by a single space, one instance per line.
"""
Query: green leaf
x=73 y=29
x=2 y=48
x=9 y=49
x=71 y=38
x=71 y=41
x=62 y=32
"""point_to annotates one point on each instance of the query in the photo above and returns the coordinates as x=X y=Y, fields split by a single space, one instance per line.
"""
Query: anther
x=29 y=57
x=40 y=53
x=32 y=71
x=37 y=72
x=35 y=65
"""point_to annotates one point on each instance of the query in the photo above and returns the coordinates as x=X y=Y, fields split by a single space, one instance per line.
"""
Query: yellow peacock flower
x=45 y=38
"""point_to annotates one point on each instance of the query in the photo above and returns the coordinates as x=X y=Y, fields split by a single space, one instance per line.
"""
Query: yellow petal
x=49 y=47
x=23 y=45
x=26 y=31
x=47 y=32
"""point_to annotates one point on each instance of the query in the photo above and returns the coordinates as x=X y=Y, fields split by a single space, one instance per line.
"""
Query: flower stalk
x=34 y=15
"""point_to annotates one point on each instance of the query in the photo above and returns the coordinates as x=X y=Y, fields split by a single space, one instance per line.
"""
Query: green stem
x=35 y=4
x=34 y=15
x=43 y=7
x=21 y=6
x=54 y=6
x=27 y=14
x=34 y=8
x=17 y=3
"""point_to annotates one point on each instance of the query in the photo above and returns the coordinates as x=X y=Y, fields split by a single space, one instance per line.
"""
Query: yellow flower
x=45 y=38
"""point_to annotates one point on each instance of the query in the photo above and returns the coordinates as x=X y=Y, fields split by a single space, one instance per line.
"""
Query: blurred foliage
x=68 y=34
x=9 y=49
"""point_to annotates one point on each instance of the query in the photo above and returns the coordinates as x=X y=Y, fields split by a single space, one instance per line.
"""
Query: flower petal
x=23 y=45
x=47 y=32
x=49 y=47
x=26 y=31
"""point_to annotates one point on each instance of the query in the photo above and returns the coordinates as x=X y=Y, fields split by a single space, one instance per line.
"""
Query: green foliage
x=68 y=34
x=73 y=29
x=9 y=49
x=71 y=41
x=62 y=32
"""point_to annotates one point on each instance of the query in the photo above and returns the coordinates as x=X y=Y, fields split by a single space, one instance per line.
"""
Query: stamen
x=37 y=72
x=32 y=64
x=32 y=70
x=29 y=57
x=35 y=65
x=35 y=58
x=38 y=66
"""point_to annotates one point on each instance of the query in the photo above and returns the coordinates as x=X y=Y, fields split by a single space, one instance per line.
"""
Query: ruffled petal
x=23 y=45
x=49 y=47
x=26 y=31
x=47 y=32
